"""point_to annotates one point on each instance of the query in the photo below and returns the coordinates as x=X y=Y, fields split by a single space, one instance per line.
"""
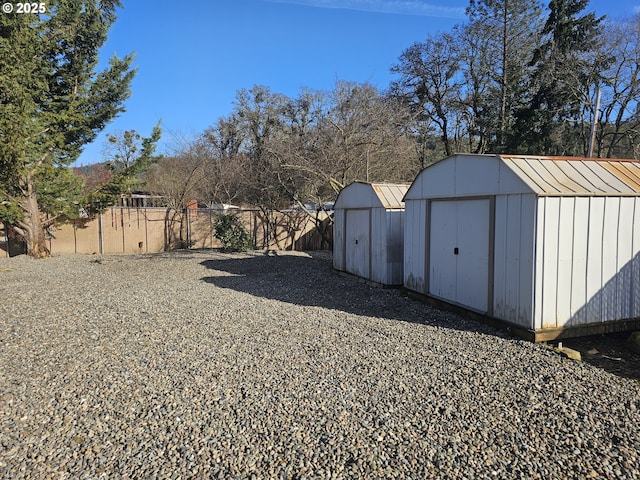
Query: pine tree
x=561 y=73
x=52 y=103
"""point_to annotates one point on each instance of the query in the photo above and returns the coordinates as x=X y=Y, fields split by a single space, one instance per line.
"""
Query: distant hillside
x=93 y=174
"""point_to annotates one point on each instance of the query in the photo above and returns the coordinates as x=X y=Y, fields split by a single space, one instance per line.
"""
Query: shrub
x=232 y=234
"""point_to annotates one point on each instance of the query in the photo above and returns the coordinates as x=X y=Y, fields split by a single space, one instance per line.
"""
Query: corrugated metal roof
x=576 y=176
x=390 y=195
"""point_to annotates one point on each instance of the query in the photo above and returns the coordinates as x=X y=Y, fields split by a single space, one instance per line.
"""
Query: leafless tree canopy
x=276 y=152
x=468 y=90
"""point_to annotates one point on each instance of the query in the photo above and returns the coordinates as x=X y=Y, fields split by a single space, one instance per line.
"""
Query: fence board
x=151 y=230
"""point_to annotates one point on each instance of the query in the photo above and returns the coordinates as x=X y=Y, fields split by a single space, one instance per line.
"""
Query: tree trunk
x=32 y=227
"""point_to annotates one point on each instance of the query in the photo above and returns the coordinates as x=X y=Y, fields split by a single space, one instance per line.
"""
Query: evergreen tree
x=504 y=34
x=562 y=71
x=129 y=156
x=52 y=103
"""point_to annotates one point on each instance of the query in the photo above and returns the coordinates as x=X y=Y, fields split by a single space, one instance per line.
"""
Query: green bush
x=232 y=234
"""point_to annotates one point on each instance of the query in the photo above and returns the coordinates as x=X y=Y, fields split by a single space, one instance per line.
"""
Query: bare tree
x=618 y=133
x=179 y=178
x=430 y=82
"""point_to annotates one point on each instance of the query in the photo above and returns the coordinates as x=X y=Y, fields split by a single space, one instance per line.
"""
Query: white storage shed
x=367 y=231
x=550 y=245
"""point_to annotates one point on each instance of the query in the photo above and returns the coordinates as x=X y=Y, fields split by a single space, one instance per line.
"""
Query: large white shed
x=367 y=231
x=550 y=245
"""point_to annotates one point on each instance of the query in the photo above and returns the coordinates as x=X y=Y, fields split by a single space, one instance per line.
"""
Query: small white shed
x=550 y=245
x=367 y=231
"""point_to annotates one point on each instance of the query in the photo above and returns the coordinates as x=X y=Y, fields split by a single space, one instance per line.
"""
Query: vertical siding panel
x=635 y=262
x=593 y=310
x=513 y=265
x=378 y=252
x=414 y=245
x=394 y=247
x=565 y=259
x=527 y=260
x=338 y=240
x=512 y=222
x=500 y=258
x=540 y=273
x=400 y=260
x=387 y=228
x=421 y=246
x=610 y=306
x=579 y=260
x=550 y=262
x=625 y=257
x=409 y=227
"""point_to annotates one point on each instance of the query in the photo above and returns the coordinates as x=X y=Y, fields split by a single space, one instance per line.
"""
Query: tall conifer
x=52 y=103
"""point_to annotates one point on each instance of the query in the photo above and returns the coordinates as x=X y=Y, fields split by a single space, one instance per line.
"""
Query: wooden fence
x=150 y=230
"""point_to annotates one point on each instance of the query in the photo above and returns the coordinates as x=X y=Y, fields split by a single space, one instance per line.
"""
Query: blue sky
x=192 y=57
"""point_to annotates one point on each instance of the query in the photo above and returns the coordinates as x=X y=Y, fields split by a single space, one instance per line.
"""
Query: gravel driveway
x=200 y=364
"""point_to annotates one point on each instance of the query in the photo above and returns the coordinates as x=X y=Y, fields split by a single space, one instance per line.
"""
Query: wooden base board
x=542 y=335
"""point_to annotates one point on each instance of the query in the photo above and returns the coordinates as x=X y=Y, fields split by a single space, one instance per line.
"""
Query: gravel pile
x=206 y=365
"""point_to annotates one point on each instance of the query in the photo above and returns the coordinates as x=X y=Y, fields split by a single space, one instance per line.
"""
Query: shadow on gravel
x=608 y=352
x=309 y=279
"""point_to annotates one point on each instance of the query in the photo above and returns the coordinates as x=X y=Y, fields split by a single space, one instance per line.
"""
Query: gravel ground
x=208 y=365
x=609 y=352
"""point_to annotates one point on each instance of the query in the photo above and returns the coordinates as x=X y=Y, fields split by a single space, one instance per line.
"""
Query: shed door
x=357 y=250
x=459 y=251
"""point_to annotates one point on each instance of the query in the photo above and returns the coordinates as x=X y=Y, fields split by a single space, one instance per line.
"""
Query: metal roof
x=576 y=176
x=390 y=195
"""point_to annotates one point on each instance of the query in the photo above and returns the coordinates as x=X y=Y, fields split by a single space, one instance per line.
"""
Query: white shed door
x=459 y=252
x=357 y=253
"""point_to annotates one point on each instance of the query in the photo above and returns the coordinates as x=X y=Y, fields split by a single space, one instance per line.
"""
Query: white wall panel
x=356 y=195
x=589 y=265
x=338 y=239
x=579 y=258
x=512 y=254
x=607 y=293
x=478 y=175
x=502 y=308
x=539 y=263
x=513 y=258
x=527 y=258
x=548 y=249
x=593 y=308
x=509 y=182
x=415 y=244
x=395 y=247
x=357 y=240
x=635 y=261
x=378 y=253
x=439 y=180
x=624 y=284
x=564 y=260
